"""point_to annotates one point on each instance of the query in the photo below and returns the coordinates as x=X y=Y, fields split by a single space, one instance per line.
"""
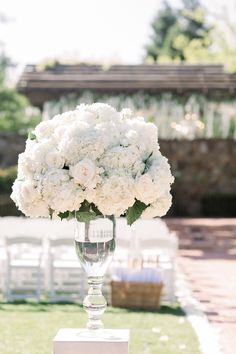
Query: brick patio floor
x=207 y=256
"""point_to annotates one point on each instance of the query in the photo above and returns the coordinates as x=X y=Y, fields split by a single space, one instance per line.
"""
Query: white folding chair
x=123 y=243
x=23 y=268
x=159 y=249
x=66 y=277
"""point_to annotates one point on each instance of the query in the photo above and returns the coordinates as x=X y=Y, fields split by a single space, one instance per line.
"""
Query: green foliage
x=134 y=212
x=7 y=177
x=87 y=212
x=4 y=64
x=164 y=23
x=15 y=115
x=174 y=30
x=163 y=109
x=185 y=35
x=65 y=215
x=31 y=135
x=47 y=64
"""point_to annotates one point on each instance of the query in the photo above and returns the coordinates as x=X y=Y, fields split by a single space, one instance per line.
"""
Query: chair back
x=28 y=240
x=62 y=248
x=23 y=247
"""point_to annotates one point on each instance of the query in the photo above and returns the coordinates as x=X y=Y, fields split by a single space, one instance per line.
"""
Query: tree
x=4 y=64
x=175 y=30
x=15 y=113
x=221 y=49
x=163 y=26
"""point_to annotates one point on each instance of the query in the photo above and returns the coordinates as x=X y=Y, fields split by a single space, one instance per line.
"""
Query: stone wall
x=11 y=145
x=202 y=168
x=205 y=172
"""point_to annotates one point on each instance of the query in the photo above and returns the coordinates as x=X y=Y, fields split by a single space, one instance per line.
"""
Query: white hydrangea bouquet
x=93 y=161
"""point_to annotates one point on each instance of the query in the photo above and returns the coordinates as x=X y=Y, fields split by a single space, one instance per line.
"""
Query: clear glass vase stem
x=95 y=246
x=95 y=303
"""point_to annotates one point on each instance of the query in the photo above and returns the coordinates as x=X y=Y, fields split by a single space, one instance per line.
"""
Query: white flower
x=54 y=177
x=103 y=111
x=160 y=172
x=60 y=192
x=97 y=154
x=115 y=195
x=123 y=160
x=159 y=207
x=145 y=189
x=80 y=141
x=25 y=168
x=54 y=159
x=44 y=130
x=126 y=113
x=28 y=198
x=84 y=173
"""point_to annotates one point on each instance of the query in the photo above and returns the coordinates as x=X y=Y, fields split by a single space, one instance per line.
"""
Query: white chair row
x=23 y=269
x=35 y=265
x=33 y=268
x=150 y=242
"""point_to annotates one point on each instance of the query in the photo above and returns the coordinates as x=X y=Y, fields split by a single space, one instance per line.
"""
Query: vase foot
x=94 y=325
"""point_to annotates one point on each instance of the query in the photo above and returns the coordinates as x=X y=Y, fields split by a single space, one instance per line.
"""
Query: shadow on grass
x=45 y=306
x=42 y=306
x=174 y=310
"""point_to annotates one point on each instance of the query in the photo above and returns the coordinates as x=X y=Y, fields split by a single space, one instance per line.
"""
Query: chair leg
x=38 y=290
x=51 y=284
x=8 y=293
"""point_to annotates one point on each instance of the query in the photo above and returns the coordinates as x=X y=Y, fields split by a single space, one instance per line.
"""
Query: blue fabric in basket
x=143 y=275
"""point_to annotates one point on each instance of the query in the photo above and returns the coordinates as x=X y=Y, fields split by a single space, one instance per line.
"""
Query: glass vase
x=95 y=245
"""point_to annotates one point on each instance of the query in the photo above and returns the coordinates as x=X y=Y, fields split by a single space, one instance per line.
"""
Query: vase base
x=106 y=341
x=95 y=325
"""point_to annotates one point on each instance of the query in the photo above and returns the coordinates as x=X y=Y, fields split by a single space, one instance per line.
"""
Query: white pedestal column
x=83 y=341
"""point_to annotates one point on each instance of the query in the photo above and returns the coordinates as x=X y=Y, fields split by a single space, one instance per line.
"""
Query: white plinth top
x=83 y=341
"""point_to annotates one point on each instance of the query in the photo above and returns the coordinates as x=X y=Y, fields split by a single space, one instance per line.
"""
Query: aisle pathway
x=207 y=257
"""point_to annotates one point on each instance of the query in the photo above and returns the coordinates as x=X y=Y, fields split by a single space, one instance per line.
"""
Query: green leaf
x=50 y=213
x=64 y=215
x=147 y=163
x=87 y=212
x=134 y=212
x=85 y=216
x=85 y=206
x=31 y=135
x=95 y=209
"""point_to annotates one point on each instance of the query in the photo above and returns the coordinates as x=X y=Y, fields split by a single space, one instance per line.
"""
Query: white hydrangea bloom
x=145 y=189
x=159 y=207
x=29 y=199
x=85 y=173
x=44 y=130
x=94 y=154
x=115 y=195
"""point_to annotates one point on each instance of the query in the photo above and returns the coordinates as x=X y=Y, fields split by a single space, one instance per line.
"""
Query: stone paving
x=207 y=256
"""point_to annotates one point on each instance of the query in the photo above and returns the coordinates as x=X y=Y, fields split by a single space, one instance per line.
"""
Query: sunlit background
x=182 y=58
x=95 y=31
x=174 y=63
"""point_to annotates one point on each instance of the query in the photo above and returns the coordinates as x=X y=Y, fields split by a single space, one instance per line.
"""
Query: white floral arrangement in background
x=93 y=161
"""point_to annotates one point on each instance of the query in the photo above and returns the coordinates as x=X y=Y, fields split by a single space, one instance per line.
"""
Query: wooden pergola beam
x=41 y=86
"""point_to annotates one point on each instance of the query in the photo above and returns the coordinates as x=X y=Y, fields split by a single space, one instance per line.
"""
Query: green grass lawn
x=29 y=328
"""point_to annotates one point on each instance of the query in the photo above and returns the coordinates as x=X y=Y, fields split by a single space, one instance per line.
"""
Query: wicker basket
x=136 y=295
